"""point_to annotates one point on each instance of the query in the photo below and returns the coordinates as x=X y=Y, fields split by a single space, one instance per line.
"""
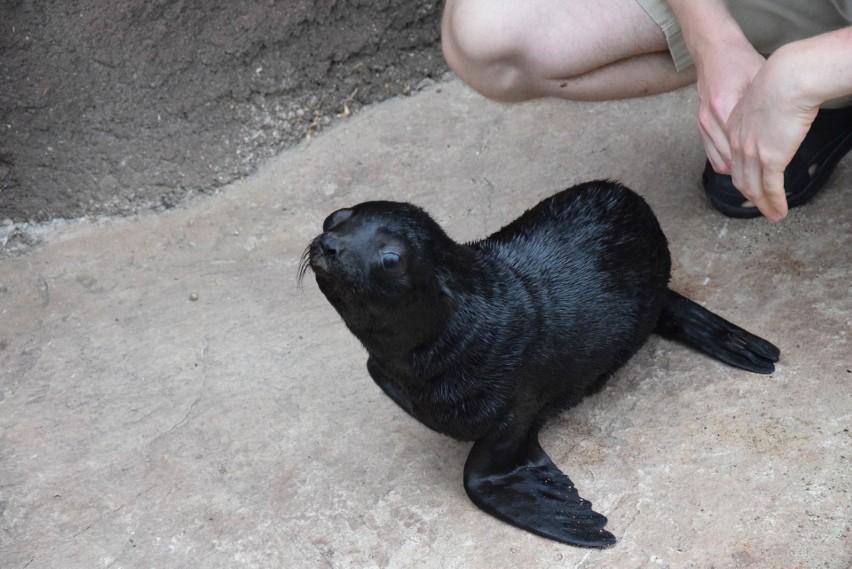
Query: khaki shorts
x=767 y=24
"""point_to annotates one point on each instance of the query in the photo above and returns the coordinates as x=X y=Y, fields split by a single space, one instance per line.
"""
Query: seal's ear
x=336 y=218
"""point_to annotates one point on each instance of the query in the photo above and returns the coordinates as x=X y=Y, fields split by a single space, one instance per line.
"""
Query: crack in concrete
x=43 y=290
x=202 y=368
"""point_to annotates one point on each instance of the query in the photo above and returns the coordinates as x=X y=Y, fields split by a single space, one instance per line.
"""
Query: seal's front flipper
x=530 y=492
x=390 y=388
x=683 y=320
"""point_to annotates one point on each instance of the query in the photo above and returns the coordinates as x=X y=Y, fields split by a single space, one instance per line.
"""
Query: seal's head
x=379 y=264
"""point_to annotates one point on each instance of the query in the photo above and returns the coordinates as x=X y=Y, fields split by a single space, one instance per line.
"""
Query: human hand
x=764 y=130
x=754 y=113
x=725 y=65
x=724 y=75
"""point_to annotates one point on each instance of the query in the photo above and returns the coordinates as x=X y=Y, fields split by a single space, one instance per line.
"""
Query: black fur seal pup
x=485 y=341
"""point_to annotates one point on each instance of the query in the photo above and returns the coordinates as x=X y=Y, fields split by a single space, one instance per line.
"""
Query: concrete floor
x=140 y=428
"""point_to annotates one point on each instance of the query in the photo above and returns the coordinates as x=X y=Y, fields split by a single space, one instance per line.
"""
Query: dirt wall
x=121 y=106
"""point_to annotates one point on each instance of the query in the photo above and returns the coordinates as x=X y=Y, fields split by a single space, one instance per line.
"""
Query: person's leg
x=513 y=50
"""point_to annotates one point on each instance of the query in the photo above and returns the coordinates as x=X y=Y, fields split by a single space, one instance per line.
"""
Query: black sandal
x=828 y=140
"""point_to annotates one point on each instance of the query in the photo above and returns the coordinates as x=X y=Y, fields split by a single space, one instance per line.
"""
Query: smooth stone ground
x=140 y=428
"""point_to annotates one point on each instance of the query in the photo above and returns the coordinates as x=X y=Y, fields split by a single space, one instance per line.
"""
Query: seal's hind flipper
x=533 y=495
x=683 y=320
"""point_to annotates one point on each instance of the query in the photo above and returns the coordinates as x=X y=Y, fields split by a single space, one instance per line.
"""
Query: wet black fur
x=486 y=341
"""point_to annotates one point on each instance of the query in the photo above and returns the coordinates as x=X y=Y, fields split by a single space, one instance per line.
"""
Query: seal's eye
x=392 y=262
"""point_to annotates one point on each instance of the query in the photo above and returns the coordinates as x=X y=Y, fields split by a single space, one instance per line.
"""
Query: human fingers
x=776 y=199
x=760 y=184
x=746 y=175
x=721 y=162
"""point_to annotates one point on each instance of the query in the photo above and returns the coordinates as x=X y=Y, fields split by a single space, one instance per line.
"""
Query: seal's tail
x=685 y=321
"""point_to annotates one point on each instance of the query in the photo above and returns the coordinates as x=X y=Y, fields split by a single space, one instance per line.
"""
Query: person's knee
x=482 y=46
